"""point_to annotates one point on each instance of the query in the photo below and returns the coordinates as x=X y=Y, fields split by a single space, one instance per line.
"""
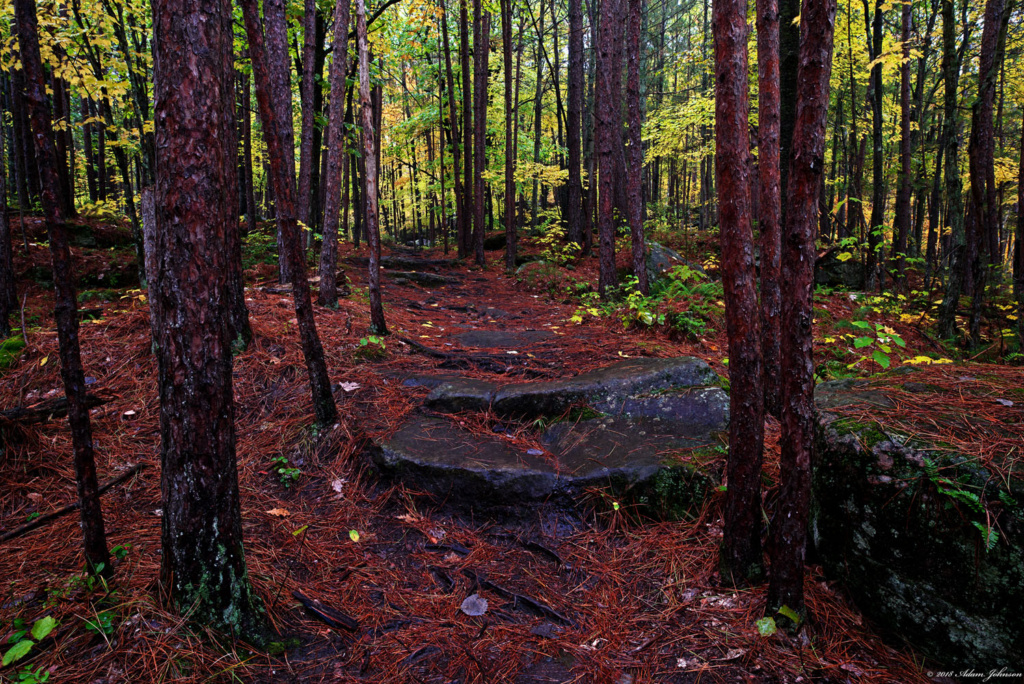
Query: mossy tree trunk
x=203 y=567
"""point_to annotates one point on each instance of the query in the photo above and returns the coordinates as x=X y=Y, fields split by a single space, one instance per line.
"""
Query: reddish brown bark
x=465 y=237
x=608 y=134
x=901 y=225
x=769 y=217
x=202 y=563
x=741 y=559
x=573 y=122
x=635 y=149
x=270 y=92
x=481 y=48
x=65 y=305
x=510 y=162
x=377 y=324
x=789 y=525
x=337 y=149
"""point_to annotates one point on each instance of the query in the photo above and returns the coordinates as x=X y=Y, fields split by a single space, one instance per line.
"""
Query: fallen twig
x=50 y=517
x=334 y=618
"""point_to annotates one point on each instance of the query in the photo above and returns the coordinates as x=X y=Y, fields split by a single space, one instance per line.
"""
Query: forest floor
x=640 y=598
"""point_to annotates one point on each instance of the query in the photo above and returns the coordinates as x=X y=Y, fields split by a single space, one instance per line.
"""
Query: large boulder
x=929 y=544
x=661 y=260
x=831 y=271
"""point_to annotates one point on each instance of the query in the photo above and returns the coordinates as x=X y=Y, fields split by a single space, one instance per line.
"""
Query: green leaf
x=897 y=339
x=880 y=358
x=353 y=535
x=766 y=626
x=17 y=652
x=299 y=531
x=863 y=325
x=786 y=611
x=42 y=628
x=862 y=342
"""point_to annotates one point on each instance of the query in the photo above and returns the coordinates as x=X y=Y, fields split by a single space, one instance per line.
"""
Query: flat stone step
x=609 y=390
x=503 y=339
x=633 y=459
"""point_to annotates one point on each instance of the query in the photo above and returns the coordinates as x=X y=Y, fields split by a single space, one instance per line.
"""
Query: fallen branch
x=50 y=517
x=517 y=599
x=47 y=410
x=334 y=618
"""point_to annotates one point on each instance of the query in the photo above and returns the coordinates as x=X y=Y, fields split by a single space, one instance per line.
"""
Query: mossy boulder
x=929 y=544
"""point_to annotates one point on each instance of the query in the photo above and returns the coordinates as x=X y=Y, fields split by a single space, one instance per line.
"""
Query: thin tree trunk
x=203 y=562
x=65 y=306
x=8 y=292
x=481 y=47
x=308 y=116
x=271 y=89
x=608 y=134
x=574 y=122
x=769 y=220
x=635 y=149
x=741 y=559
x=377 y=324
x=337 y=151
x=901 y=225
x=250 y=193
x=789 y=525
x=510 y=183
x=453 y=123
x=465 y=239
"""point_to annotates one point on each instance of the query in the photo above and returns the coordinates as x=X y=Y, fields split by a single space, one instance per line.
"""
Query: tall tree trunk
x=1018 y=249
x=453 y=124
x=272 y=88
x=741 y=559
x=635 y=149
x=307 y=84
x=250 y=192
x=789 y=525
x=203 y=562
x=538 y=58
x=510 y=183
x=8 y=293
x=377 y=324
x=902 y=223
x=769 y=220
x=877 y=160
x=465 y=237
x=951 y=63
x=608 y=134
x=481 y=48
x=337 y=150
x=65 y=306
x=574 y=122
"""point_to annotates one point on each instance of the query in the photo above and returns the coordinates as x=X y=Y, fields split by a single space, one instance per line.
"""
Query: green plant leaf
x=880 y=358
x=17 y=652
x=863 y=325
x=786 y=611
x=766 y=626
x=42 y=628
x=862 y=342
x=353 y=535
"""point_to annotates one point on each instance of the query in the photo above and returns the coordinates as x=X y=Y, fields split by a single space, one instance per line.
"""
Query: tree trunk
x=769 y=219
x=203 y=563
x=510 y=183
x=337 y=150
x=8 y=293
x=877 y=161
x=453 y=124
x=272 y=89
x=308 y=115
x=1018 y=249
x=377 y=324
x=635 y=149
x=481 y=48
x=901 y=226
x=574 y=122
x=465 y=237
x=741 y=559
x=608 y=134
x=250 y=193
x=65 y=306
x=789 y=525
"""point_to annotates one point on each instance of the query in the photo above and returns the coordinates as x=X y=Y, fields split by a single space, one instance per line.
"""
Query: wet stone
x=503 y=339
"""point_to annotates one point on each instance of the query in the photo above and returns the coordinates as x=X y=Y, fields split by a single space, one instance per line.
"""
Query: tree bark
x=574 y=122
x=308 y=115
x=377 y=324
x=481 y=48
x=1018 y=249
x=337 y=150
x=453 y=124
x=901 y=225
x=789 y=525
x=203 y=566
x=635 y=149
x=608 y=134
x=465 y=237
x=510 y=162
x=8 y=292
x=65 y=306
x=741 y=559
x=877 y=161
x=769 y=219
x=271 y=90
